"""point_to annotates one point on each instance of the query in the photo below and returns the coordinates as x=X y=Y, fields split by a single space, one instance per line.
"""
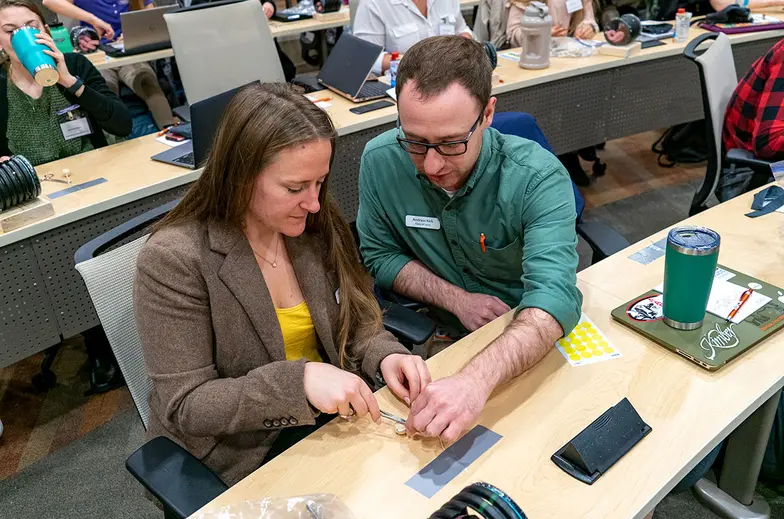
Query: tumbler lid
x=693 y=240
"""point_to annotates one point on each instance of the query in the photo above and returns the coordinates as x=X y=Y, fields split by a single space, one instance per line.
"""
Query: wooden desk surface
x=130 y=175
x=690 y=410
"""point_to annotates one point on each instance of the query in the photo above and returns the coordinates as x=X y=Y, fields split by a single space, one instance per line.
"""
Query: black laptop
x=205 y=117
x=346 y=70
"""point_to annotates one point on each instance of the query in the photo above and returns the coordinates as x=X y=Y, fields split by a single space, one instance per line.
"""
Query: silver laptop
x=143 y=31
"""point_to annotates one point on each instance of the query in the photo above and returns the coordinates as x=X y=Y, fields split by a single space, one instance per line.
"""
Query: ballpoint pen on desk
x=743 y=298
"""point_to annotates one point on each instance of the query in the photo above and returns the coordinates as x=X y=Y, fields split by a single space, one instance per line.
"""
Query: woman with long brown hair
x=254 y=311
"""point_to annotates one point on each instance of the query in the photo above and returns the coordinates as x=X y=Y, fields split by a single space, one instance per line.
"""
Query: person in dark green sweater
x=32 y=116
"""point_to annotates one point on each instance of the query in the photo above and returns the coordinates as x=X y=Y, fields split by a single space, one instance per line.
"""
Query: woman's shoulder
x=182 y=243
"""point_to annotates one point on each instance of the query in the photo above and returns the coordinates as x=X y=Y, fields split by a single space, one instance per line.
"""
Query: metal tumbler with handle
x=689 y=268
x=41 y=66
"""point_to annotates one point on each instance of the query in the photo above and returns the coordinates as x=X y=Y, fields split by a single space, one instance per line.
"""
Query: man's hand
x=447 y=407
x=476 y=310
x=103 y=29
x=269 y=9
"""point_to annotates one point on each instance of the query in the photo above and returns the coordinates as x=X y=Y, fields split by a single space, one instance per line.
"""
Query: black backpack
x=684 y=143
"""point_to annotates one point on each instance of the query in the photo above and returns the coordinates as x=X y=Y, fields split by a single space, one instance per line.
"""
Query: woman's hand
x=406 y=375
x=332 y=390
x=584 y=31
x=558 y=31
x=66 y=79
x=269 y=9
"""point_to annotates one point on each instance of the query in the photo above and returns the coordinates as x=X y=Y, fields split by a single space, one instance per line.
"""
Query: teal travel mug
x=41 y=66
x=689 y=267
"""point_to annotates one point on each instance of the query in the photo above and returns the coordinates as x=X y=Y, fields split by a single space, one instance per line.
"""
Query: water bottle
x=682 y=24
x=394 y=61
x=41 y=66
x=537 y=28
x=61 y=37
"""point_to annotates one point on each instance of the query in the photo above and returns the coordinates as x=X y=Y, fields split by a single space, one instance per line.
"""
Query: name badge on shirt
x=572 y=6
x=75 y=128
x=423 y=222
x=446 y=29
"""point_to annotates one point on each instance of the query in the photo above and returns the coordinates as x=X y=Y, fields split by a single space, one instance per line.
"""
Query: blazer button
x=284 y=422
x=293 y=421
x=267 y=424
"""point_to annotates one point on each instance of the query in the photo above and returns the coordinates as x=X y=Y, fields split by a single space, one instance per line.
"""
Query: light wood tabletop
x=689 y=409
x=129 y=173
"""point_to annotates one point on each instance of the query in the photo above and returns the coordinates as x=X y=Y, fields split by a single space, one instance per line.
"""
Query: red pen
x=482 y=242
x=743 y=298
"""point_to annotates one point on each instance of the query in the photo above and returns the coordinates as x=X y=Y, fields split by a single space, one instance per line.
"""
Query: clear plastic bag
x=568 y=47
x=315 y=506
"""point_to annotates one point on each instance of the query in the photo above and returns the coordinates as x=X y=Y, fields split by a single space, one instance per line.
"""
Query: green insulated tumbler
x=689 y=268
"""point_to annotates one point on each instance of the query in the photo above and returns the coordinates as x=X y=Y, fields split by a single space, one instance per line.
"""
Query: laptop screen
x=205 y=118
x=349 y=63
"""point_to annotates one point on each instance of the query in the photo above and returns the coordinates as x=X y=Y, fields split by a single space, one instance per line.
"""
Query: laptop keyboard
x=373 y=89
x=186 y=159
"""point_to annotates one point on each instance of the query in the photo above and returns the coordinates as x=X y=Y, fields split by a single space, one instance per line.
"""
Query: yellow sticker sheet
x=586 y=344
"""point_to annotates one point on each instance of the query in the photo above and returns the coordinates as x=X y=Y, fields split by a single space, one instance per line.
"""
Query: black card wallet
x=597 y=447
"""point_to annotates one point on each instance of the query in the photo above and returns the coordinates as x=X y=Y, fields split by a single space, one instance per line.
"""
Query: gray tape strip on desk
x=650 y=253
x=454 y=460
x=77 y=187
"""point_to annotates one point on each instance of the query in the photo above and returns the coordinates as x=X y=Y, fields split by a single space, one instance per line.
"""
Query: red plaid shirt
x=755 y=114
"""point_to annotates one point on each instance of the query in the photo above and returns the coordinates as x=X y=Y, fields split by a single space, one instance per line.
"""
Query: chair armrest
x=746 y=158
x=409 y=326
x=181 y=482
x=603 y=239
x=398 y=299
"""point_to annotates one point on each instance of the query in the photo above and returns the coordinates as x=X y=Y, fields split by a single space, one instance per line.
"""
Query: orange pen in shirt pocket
x=482 y=242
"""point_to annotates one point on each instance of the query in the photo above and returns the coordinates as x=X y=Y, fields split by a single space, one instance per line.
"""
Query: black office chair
x=718 y=80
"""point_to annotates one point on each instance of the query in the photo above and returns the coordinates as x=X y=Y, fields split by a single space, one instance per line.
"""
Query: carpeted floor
x=87 y=479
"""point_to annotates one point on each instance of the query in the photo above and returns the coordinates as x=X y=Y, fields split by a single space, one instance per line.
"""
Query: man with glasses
x=456 y=215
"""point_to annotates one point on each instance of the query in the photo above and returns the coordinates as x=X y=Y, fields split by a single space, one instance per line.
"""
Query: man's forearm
x=523 y=343
x=419 y=283
x=66 y=8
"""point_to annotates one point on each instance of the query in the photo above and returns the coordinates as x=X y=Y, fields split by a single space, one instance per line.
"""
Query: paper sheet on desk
x=725 y=296
x=163 y=140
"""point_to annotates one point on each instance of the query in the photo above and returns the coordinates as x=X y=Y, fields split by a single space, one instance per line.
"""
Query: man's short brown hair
x=434 y=64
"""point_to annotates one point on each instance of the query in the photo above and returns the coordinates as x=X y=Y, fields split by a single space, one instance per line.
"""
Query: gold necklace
x=274 y=262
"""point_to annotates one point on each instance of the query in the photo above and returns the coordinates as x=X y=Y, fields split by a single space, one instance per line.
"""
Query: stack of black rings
x=483 y=498
x=18 y=182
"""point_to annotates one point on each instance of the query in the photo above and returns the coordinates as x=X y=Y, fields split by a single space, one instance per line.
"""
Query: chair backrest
x=718 y=80
x=353 y=5
x=109 y=278
x=222 y=45
x=524 y=125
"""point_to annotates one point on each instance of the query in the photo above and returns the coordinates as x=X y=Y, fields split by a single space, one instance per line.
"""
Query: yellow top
x=299 y=336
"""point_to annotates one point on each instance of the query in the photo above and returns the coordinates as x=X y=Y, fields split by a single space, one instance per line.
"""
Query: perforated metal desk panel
x=42 y=297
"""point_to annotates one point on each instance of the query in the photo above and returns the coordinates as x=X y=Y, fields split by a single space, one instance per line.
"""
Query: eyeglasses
x=449 y=149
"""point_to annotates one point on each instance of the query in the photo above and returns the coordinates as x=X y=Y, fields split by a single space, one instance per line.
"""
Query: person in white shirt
x=397 y=25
